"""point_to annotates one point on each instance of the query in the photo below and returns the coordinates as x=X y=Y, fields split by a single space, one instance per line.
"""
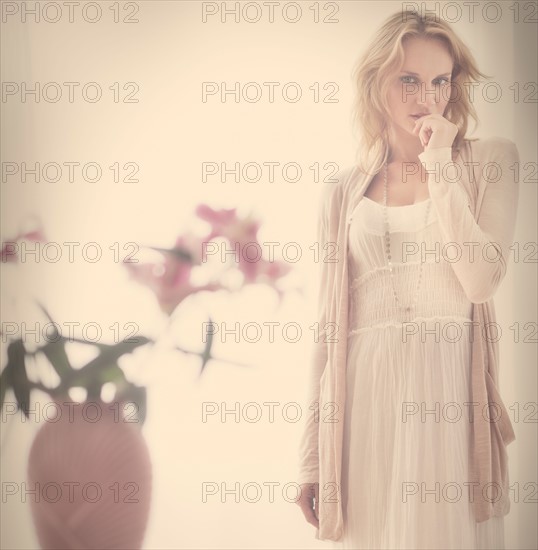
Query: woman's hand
x=309 y=491
x=435 y=131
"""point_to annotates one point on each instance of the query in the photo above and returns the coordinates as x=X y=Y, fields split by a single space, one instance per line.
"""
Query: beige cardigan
x=475 y=203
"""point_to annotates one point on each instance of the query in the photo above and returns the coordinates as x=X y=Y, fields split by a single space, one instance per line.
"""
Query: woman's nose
x=428 y=96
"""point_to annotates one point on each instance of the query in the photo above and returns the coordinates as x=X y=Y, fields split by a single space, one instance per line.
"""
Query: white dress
x=406 y=428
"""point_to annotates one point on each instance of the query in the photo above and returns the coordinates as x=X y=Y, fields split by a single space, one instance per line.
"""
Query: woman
x=405 y=441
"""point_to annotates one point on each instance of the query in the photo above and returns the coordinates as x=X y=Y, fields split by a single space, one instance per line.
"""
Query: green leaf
x=15 y=375
x=56 y=354
x=113 y=373
x=206 y=354
x=111 y=353
x=92 y=372
x=5 y=383
x=180 y=253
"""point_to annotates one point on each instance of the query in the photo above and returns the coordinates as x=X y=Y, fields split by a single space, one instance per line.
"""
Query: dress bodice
x=414 y=238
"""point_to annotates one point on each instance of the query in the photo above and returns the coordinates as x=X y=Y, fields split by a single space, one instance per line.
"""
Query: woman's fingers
x=308 y=502
x=310 y=516
x=424 y=130
x=435 y=130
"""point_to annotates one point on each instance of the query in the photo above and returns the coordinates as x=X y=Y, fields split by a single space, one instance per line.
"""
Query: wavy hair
x=372 y=77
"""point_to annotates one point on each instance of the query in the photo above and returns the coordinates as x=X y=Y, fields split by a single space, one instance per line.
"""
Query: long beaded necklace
x=406 y=310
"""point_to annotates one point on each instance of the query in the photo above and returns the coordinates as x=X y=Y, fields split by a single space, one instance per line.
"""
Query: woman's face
x=423 y=86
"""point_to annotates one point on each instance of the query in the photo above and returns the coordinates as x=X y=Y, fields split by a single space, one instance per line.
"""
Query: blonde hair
x=385 y=57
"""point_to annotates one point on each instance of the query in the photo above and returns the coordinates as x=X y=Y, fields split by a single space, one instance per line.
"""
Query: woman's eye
x=411 y=80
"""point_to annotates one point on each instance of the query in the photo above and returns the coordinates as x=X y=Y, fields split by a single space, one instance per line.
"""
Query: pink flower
x=169 y=281
x=191 y=244
x=265 y=272
x=242 y=233
x=225 y=223
x=8 y=252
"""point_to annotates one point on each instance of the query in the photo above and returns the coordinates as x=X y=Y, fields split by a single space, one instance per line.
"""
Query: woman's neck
x=404 y=148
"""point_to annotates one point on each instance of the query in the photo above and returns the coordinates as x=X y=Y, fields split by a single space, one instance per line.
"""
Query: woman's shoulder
x=333 y=186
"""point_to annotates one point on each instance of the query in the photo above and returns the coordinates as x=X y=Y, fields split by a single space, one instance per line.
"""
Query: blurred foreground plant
x=172 y=279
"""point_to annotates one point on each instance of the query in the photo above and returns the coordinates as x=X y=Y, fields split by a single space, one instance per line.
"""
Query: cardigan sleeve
x=477 y=249
x=308 y=446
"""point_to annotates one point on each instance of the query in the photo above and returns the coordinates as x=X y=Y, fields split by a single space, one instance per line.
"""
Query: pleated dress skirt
x=405 y=474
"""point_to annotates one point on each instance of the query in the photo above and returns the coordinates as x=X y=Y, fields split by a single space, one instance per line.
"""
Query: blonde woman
x=405 y=442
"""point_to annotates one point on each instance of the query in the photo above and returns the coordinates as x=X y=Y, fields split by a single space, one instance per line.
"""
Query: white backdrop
x=169 y=53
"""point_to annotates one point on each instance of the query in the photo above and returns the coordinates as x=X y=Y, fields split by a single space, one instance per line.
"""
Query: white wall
x=169 y=133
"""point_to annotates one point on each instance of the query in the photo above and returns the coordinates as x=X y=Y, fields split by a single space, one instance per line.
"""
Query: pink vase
x=91 y=470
